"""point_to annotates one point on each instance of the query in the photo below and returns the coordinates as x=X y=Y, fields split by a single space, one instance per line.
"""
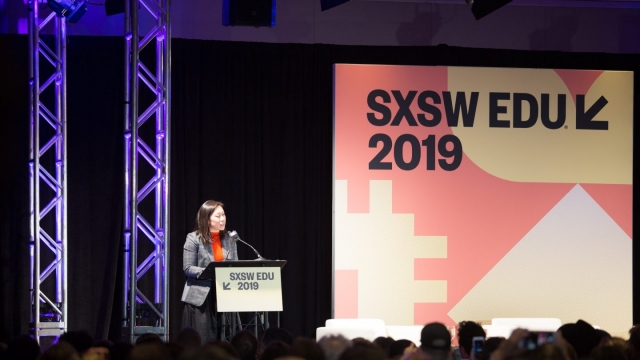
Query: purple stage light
x=23 y=26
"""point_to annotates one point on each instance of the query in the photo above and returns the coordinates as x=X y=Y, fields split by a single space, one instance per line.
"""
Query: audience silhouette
x=573 y=341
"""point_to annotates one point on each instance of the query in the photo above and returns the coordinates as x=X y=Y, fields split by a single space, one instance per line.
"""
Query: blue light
x=273 y=13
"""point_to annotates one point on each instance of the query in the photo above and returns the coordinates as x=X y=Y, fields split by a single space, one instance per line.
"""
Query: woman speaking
x=209 y=242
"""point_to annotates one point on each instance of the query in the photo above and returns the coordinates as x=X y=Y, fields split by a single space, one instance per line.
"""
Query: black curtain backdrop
x=252 y=126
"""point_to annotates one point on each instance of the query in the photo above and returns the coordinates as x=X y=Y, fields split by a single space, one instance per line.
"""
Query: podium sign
x=248 y=289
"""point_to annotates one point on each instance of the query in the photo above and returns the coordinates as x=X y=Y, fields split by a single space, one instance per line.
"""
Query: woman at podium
x=208 y=242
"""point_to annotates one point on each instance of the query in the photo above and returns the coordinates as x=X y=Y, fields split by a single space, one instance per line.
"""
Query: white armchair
x=502 y=327
x=368 y=329
x=411 y=333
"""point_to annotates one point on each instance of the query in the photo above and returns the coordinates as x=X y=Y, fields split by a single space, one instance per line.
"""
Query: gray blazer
x=195 y=257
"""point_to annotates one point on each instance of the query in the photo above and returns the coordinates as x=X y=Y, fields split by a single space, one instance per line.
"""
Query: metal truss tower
x=147 y=149
x=48 y=167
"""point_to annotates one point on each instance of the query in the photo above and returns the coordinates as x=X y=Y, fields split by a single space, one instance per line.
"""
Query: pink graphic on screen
x=482 y=216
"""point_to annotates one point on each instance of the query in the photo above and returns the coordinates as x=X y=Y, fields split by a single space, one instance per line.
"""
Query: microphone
x=235 y=237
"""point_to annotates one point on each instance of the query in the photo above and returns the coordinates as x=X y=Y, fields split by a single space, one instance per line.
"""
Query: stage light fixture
x=113 y=7
x=330 y=4
x=70 y=9
x=257 y=13
x=482 y=8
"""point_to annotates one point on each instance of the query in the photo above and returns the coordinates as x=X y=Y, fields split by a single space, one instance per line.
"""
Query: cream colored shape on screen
x=538 y=154
x=574 y=264
x=382 y=247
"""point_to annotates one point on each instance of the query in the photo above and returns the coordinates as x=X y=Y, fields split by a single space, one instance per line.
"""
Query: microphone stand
x=237 y=238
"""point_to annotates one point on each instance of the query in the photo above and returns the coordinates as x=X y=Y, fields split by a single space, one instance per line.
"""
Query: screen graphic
x=478 y=193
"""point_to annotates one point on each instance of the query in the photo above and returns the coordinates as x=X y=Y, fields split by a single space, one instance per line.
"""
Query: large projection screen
x=477 y=193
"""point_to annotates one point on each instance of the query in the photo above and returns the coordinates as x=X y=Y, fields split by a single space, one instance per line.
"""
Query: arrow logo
x=225 y=286
x=585 y=119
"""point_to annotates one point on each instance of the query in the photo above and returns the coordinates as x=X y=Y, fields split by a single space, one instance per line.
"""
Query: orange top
x=216 y=245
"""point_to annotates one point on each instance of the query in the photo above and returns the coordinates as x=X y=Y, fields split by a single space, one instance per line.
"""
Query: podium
x=209 y=271
x=246 y=286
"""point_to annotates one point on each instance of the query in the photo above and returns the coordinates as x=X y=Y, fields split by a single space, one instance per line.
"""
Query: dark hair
x=175 y=349
x=150 y=350
x=274 y=350
x=383 y=343
x=306 y=348
x=120 y=351
x=23 y=347
x=60 y=351
x=213 y=350
x=103 y=343
x=275 y=333
x=634 y=337
x=225 y=349
x=467 y=330
x=333 y=346
x=608 y=352
x=363 y=353
x=397 y=347
x=202 y=220
x=550 y=352
x=360 y=341
x=623 y=345
x=581 y=336
x=246 y=344
x=80 y=340
x=149 y=338
x=189 y=337
x=490 y=345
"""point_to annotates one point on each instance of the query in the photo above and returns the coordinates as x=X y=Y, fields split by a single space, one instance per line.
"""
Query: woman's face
x=218 y=220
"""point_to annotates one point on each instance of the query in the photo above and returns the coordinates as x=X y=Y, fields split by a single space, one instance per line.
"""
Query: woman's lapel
x=208 y=248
